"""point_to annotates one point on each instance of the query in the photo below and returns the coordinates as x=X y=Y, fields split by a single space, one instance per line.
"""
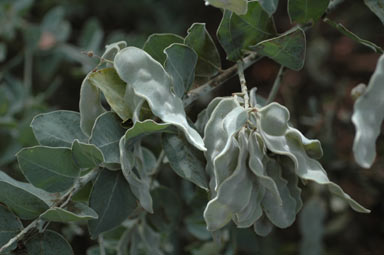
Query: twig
x=194 y=94
x=276 y=86
x=243 y=83
x=61 y=203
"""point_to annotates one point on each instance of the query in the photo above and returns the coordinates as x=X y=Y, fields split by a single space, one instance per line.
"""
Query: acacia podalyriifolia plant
x=97 y=166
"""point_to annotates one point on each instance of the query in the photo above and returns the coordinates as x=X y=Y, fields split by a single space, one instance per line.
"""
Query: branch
x=206 y=88
x=276 y=86
x=61 y=203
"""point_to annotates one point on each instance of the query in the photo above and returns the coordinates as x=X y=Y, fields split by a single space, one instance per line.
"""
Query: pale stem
x=101 y=245
x=276 y=86
x=243 y=83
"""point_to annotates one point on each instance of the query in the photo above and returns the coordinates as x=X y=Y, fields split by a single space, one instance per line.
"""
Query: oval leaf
x=157 y=43
x=304 y=11
x=74 y=212
x=237 y=6
x=48 y=243
x=86 y=155
x=10 y=226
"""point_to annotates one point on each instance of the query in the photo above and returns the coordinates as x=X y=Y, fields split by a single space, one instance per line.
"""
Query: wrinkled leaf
x=57 y=128
x=106 y=135
x=25 y=200
x=151 y=82
x=236 y=33
x=198 y=38
x=113 y=89
x=287 y=49
x=112 y=200
x=237 y=6
x=86 y=155
x=303 y=11
x=74 y=212
x=48 y=243
x=48 y=168
x=89 y=106
x=157 y=43
x=180 y=65
x=10 y=226
x=368 y=116
x=185 y=160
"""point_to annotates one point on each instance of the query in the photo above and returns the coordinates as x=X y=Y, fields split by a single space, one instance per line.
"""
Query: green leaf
x=167 y=209
x=106 y=135
x=74 y=212
x=113 y=89
x=185 y=160
x=86 y=155
x=311 y=224
x=368 y=116
x=236 y=33
x=112 y=49
x=377 y=7
x=263 y=226
x=290 y=144
x=157 y=43
x=10 y=226
x=48 y=168
x=91 y=35
x=198 y=38
x=58 y=128
x=112 y=200
x=89 y=106
x=180 y=65
x=48 y=243
x=237 y=6
x=287 y=49
x=27 y=201
x=150 y=81
x=270 y=6
x=303 y=11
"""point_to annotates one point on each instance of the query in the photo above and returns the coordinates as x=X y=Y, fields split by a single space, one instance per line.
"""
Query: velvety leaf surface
x=86 y=155
x=185 y=160
x=48 y=168
x=368 y=116
x=113 y=89
x=237 y=6
x=58 y=128
x=10 y=226
x=48 y=243
x=150 y=81
x=27 y=201
x=74 y=212
x=157 y=43
x=198 y=38
x=303 y=11
x=236 y=33
x=287 y=49
x=112 y=200
x=106 y=135
x=180 y=65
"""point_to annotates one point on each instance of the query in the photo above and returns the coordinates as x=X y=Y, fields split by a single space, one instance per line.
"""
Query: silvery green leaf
x=240 y=7
x=368 y=116
x=106 y=135
x=289 y=174
x=150 y=239
x=233 y=194
x=253 y=211
x=157 y=43
x=10 y=226
x=57 y=128
x=112 y=49
x=198 y=38
x=282 y=214
x=77 y=212
x=89 y=106
x=257 y=166
x=138 y=184
x=113 y=89
x=150 y=81
x=270 y=6
x=377 y=7
x=263 y=226
x=284 y=140
x=180 y=65
x=311 y=224
x=204 y=115
x=27 y=201
x=86 y=155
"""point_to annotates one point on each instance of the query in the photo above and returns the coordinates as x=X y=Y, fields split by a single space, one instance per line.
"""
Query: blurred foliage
x=42 y=63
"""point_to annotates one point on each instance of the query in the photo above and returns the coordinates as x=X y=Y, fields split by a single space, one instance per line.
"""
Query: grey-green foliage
x=377 y=7
x=368 y=116
x=237 y=6
x=10 y=225
x=303 y=11
x=157 y=43
x=246 y=183
x=47 y=243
